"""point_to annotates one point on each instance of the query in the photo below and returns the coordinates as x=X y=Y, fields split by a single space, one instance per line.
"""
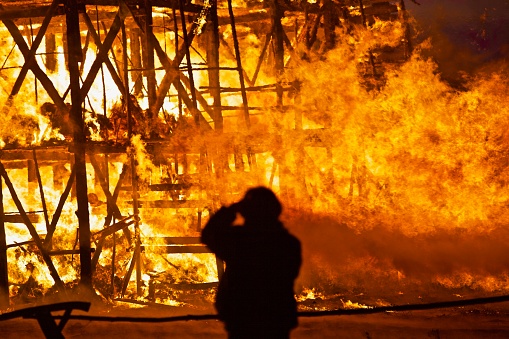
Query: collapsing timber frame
x=139 y=31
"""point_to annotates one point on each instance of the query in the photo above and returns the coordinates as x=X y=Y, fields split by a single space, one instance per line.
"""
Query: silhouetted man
x=255 y=297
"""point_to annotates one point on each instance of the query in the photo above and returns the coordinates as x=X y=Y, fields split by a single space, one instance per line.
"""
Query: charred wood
x=18 y=219
x=176 y=249
x=32 y=230
x=174 y=204
x=4 y=273
x=38 y=72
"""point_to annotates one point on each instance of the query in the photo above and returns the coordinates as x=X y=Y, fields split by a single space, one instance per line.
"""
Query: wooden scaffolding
x=129 y=49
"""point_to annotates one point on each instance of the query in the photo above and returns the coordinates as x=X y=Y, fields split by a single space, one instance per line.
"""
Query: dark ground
x=481 y=321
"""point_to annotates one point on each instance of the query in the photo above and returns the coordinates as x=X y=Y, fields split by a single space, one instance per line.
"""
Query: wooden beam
x=51 y=52
x=102 y=181
x=75 y=57
x=212 y=40
x=111 y=200
x=122 y=13
x=33 y=232
x=34 y=67
x=171 y=67
x=121 y=225
x=189 y=7
x=60 y=207
x=17 y=219
x=161 y=241
x=32 y=11
x=4 y=273
x=172 y=71
x=181 y=89
x=175 y=249
x=192 y=89
x=149 y=62
x=239 y=65
x=41 y=192
x=174 y=204
x=44 y=154
x=97 y=40
x=277 y=14
x=135 y=47
x=30 y=58
x=114 y=198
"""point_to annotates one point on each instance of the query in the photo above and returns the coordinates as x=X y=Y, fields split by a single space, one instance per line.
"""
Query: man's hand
x=226 y=215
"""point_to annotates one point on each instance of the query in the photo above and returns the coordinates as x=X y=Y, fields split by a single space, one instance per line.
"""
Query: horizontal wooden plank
x=68 y=252
x=58 y=153
x=163 y=187
x=175 y=249
x=17 y=219
x=173 y=204
x=189 y=286
x=171 y=240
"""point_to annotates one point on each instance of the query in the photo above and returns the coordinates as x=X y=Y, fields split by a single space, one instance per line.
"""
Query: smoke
x=384 y=260
x=468 y=36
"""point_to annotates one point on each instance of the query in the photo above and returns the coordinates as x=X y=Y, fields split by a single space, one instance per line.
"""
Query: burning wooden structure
x=181 y=83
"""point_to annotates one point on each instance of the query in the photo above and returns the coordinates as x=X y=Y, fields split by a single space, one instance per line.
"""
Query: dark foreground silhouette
x=255 y=297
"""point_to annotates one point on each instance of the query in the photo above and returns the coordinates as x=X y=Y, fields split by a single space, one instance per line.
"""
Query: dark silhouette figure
x=255 y=297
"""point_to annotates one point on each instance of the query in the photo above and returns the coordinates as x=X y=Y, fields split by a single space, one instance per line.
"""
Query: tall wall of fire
x=149 y=75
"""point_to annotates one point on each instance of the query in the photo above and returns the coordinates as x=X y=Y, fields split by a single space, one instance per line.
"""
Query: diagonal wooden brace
x=107 y=62
x=34 y=67
x=30 y=58
x=111 y=200
x=123 y=12
x=171 y=67
x=172 y=75
x=33 y=232
x=59 y=208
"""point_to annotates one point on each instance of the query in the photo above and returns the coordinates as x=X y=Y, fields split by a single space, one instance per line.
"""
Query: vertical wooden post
x=41 y=192
x=58 y=175
x=239 y=65
x=329 y=24
x=192 y=89
x=4 y=274
x=176 y=31
x=135 y=45
x=365 y=24
x=134 y=181
x=149 y=60
x=31 y=177
x=75 y=57
x=406 y=27
x=116 y=50
x=51 y=50
x=212 y=36
x=64 y=45
x=277 y=15
x=238 y=159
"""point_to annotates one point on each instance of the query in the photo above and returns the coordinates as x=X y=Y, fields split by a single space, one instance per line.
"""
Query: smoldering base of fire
x=337 y=312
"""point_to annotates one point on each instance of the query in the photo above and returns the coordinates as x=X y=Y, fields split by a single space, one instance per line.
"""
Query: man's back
x=262 y=262
x=261 y=267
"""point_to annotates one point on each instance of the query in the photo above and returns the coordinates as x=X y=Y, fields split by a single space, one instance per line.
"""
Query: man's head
x=259 y=204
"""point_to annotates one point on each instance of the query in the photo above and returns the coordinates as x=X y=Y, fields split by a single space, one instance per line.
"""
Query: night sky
x=467 y=35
